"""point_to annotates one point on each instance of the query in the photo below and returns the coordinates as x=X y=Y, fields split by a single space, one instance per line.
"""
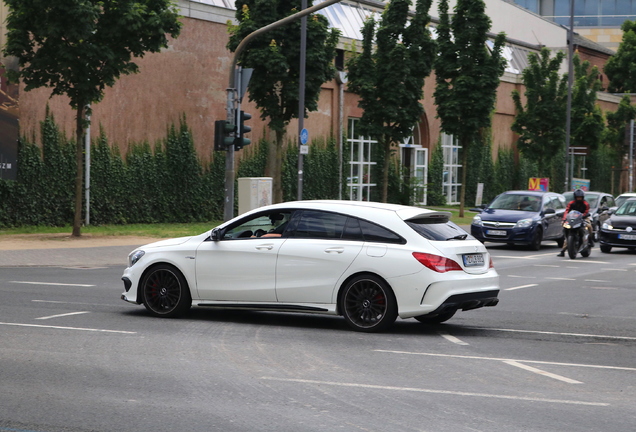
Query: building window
x=587 y=13
x=451 y=182
x=359 y=180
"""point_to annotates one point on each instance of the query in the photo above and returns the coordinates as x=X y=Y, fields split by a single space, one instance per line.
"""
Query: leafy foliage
x=588 y=124
x=541 y=123
x=275 y=58
x=435 y=189
x=390 y=79
x=466 y=74
x=620 y=67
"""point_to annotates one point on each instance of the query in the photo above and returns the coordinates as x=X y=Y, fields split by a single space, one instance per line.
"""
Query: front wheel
x=573 y=244
x=165 y=292
x=606 y=248
x=437 y=319
x=368 y=304
x=536 y=240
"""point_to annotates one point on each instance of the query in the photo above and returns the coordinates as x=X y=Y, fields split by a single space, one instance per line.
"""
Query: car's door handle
x=335 y=250
x=265 y=247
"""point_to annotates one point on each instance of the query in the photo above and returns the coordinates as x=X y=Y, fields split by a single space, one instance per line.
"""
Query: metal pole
x=301 y=95
x=569 y=159
x=631 y=155
x=87 y=167
x=228 y=210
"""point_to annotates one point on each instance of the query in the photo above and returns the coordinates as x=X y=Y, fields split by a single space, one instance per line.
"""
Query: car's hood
x=498 y=215
x=623 y=221
x=168 y=242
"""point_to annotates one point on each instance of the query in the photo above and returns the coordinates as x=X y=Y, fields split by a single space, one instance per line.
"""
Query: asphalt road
x=557 y=354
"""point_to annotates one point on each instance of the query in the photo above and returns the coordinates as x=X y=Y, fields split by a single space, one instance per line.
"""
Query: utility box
x=254 y=192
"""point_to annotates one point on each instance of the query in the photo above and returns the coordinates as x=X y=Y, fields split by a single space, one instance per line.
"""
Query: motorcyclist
x=579 y=204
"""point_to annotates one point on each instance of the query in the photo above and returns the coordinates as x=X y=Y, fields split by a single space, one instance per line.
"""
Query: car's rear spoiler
x=429 y=216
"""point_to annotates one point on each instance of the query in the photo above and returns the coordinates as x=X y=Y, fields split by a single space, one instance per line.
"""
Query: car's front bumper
x=618 y=238
x=504 y=234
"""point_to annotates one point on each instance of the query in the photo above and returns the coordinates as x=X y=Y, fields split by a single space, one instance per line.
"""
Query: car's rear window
x=435 y=229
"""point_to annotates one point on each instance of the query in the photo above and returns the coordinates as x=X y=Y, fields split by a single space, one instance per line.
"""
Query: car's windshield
x=627 y=209
x=621 y=199
x=516 y=202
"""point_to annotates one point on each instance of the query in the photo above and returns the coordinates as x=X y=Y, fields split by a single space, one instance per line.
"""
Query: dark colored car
x=600 y=204
x=619 y=230
x=521 y=217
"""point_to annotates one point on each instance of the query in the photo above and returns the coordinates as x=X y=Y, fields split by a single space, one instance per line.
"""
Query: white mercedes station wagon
x=369 y=262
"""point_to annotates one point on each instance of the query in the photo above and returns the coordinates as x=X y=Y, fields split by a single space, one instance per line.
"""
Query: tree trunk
x=462 y=197
x=274 y=167
x=79 y=158
x=385 y=171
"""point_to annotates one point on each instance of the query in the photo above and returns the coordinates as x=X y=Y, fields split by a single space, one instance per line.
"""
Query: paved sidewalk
x=63 y=250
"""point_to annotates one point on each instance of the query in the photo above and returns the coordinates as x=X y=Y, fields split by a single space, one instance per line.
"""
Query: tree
x=275 y=58
x=467 y=75
x=616 y=123
x=390 y=79
x=620 y=67
x=587 y=119
x=80 y=47
x=541 y=123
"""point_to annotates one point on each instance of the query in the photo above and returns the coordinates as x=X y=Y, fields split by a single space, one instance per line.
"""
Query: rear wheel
x=368 y=304
x=165 y=292
x=606 y=248
x=573 y=245
x=437 y=319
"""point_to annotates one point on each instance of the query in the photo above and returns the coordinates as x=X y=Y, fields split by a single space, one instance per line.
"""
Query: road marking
x=51 y=283
x=443 y=392
x=72 y=303
x=541 y=372
x=594 y=262
x=571 y=267
x=520 y=287
x=545 y=265
x=509 y=359
x=453 y=339
x=67 y=328
x=604 y=288
x=560 y=278
x=595 y=280
x=557 y=333
x=614 y=269
x=61 y=315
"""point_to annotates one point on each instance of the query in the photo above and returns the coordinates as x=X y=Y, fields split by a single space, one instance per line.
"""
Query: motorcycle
x=577 y=235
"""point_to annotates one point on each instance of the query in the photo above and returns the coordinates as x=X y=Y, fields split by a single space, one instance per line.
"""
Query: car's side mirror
x=480 y=208
x=604 y=208
x=612 y=210
x=550 y=211
x=214 y=234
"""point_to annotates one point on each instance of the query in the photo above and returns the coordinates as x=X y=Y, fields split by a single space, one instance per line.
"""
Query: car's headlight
x=134 y=257
x=477 y=220
x=607 y=226
x=524 y=223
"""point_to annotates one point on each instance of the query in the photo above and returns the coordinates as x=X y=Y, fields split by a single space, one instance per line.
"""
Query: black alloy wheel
x=165 y=292
x=368 y=304
x=536 y=240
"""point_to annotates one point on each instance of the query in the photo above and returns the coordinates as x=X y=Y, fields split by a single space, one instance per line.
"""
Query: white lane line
x=522 y=277
x=594 y=262
x=520 y=287
x=545 y=265
x=596 y=280
x=604 y=288
x=62 y=315
x=560 y=278
x=453 y=339
x=557 y=333
x=541 y=372
x=443 y=392
x=614 y=269
x=68 y=328
x=509 y=359
x=51 y=283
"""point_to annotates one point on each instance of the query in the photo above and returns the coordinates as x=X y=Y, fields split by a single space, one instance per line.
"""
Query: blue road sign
x=304 y=136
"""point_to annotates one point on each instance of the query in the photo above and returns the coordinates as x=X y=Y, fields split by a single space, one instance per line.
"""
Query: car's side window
x=320 y=225
x=558 y=203
x=352 y=230
x=376 y=233
x=270 y=224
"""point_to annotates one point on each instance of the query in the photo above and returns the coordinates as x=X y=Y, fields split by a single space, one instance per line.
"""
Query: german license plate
x=627 y=236
x=496 y=232
x=473 y=260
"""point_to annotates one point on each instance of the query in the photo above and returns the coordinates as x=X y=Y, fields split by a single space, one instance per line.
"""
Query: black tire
x=573 y=245
x=606 y=248
x=536 y=240
x=164 y=292
x=368 y=304
x=437 y=319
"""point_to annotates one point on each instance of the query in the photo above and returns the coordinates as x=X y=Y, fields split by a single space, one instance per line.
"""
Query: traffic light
x=223 y=138
x=240 y=140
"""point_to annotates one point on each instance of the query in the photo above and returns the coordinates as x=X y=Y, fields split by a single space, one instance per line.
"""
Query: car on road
x=623 y=197
x=369 y=262
x=600 y=204
x=521 y=217
x=620 y=229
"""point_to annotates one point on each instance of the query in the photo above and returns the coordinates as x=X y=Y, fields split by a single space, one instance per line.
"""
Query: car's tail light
x=492 y=264
x=436 y=263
